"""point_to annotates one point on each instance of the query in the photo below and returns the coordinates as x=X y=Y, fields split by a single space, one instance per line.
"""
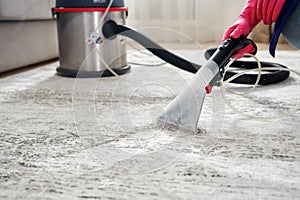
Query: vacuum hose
x=111 y=29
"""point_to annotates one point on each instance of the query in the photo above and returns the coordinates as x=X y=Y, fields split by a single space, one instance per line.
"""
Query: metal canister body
x=83 y=51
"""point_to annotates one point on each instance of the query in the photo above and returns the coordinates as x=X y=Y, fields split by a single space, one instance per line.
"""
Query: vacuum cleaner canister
x=83 y=51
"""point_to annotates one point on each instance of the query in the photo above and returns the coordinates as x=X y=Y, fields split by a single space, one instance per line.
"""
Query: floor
x=64 y=138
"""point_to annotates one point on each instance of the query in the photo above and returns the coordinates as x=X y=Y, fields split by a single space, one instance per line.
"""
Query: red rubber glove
x=253 y=12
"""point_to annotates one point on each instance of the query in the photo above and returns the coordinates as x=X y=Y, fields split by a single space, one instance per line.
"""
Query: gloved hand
x=253 y=12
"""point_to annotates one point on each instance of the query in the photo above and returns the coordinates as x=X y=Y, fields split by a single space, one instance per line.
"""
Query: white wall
x=203 y=20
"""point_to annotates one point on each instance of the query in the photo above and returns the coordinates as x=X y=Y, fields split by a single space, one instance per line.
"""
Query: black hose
x=271 y=77
x=111 y=30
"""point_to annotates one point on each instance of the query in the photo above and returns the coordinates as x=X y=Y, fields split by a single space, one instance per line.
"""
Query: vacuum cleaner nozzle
x=184 y=111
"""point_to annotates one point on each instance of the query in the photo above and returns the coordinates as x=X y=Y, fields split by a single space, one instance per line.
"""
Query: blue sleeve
x=286 y=10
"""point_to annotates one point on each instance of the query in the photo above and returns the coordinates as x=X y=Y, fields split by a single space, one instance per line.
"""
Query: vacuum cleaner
x=83 y=51
x=184 y=111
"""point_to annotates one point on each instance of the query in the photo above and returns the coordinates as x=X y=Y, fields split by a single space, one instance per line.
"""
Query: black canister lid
x=88 y=3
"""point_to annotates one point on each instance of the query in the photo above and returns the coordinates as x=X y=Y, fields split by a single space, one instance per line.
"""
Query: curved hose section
x=267 y=78
x=111 y=29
